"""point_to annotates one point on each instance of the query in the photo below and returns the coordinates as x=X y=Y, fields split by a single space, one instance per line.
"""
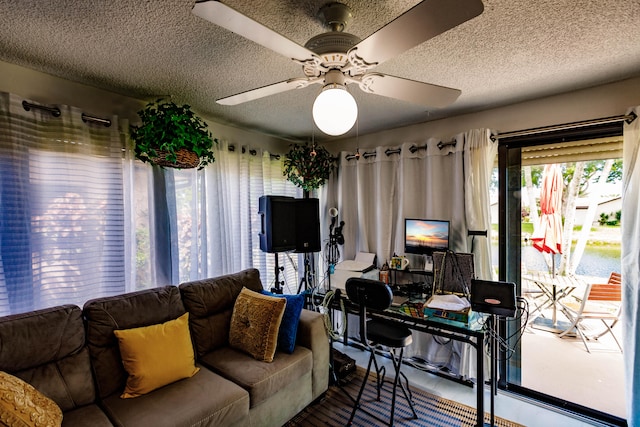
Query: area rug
x=433 y=411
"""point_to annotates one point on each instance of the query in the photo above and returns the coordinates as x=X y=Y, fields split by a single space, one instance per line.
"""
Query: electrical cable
x=503 y=343
x=326 y=311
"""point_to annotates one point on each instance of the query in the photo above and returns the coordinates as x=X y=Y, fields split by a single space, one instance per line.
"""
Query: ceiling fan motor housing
x=333 y=41
x=332 y=46
x=336 y=15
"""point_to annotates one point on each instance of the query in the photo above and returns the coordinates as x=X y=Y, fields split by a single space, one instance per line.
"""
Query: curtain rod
x=254 y=152
x=534 y=131
x=86 y=118
x=629 y=118
x=390 y=151
x=55 y=112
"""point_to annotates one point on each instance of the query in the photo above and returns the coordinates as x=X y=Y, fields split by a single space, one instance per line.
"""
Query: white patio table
x=554 y=287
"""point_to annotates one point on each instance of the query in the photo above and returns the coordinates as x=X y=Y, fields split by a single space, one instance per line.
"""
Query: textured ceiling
x=515 y=50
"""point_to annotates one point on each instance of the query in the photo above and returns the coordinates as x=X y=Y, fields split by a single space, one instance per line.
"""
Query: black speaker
x=277 y=217
x=493 y=297
x=307 y=225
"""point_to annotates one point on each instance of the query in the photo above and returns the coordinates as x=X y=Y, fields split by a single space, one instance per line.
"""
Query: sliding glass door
x=547 y=358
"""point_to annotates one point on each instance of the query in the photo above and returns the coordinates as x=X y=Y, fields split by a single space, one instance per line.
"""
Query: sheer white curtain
x=80 y=218
x=480 y=156
x=61 y=208
x=378 y=191
x=631 y=265
x=217 y=215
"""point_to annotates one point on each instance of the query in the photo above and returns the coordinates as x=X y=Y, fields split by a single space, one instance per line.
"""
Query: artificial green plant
x=168 y=128
x=308 y=166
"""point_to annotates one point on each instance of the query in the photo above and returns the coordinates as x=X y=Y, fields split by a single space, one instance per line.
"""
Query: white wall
x=601 y=101
x=47 y=89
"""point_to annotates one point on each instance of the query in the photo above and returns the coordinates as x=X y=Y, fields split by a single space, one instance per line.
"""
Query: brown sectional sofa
x=47 y=349
x=72 y=356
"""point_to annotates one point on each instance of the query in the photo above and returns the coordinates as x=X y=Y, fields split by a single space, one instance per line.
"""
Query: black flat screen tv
x=425 y=236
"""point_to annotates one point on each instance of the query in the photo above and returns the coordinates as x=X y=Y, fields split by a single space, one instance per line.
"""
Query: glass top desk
x=472 y=333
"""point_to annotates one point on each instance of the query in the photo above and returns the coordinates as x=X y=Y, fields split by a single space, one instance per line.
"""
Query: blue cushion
x=290 y=319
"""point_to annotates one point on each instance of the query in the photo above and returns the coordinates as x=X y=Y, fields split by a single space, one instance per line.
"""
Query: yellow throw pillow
x=255 y=323
x=156 y=355
x=21 y=405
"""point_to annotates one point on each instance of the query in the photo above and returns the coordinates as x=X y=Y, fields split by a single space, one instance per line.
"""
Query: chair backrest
x=611 y=291
x=369 y=293
x=615 y=278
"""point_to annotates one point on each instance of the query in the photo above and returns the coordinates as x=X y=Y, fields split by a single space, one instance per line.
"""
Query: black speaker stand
x=305 y=275
x=493 y=351
x=277 y=289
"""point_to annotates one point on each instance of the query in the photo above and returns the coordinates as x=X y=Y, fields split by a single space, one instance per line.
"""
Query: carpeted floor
x=433 y=411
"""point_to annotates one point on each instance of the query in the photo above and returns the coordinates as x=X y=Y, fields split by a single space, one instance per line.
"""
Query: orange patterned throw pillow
x=255 y=323
x=21 y=405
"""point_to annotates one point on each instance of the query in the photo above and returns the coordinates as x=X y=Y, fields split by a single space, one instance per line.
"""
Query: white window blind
x=80 y=219
x=62 y=228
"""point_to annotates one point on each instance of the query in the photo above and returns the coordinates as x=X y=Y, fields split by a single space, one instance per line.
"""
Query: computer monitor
x=424 y=236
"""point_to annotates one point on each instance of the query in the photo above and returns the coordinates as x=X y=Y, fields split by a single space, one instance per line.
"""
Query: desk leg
x=480 y=381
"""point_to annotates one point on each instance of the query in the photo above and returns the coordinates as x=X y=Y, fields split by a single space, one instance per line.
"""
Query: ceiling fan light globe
x=335 y=110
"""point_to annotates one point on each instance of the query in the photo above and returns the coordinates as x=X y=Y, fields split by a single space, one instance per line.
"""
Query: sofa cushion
x=261 y=380
x=126 y=311
x=290 y=319
x=205 y=399
x=255 y=324
x=156 y=355
x=86 y=416
x=210 y=305
x=21 y=405
x=51 y=355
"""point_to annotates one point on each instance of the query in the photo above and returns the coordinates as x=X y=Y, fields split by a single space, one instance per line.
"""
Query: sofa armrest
x=313 y=335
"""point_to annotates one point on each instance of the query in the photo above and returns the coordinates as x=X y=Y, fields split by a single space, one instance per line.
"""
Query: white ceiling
x=514 y=51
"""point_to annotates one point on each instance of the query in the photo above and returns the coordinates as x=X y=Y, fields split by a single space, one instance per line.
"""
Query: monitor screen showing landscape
x=424 y=236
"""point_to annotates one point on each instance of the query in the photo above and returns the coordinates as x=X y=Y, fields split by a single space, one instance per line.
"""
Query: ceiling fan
x=336 y=58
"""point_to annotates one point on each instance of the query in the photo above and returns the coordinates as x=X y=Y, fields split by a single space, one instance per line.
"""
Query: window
x=79 y=219
x=62 y=229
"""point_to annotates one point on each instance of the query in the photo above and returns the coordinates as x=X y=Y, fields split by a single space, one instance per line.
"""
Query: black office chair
x=375 y=295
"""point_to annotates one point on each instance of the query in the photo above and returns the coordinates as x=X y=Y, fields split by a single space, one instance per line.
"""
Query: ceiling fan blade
x=417 y=25
x=409 y=90
x=226 y=17
x=263 y=91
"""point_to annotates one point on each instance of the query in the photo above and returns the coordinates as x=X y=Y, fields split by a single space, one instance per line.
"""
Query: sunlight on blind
x=62 y=208
x=273 y=183
x=218 y=217
x=75 y=207
x=77 y=234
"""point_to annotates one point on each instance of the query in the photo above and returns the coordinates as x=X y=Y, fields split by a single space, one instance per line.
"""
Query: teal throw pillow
x=290 y=319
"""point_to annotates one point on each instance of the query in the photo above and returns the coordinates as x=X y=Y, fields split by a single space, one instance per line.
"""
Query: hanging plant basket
x=184 y=159
x=307 y=166
x=173 y=136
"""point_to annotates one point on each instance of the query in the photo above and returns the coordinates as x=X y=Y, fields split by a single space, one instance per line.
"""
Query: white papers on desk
x=363 y=262
x=448 y=302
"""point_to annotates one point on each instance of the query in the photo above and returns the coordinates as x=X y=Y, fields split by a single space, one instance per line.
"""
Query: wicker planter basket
x=185 y=159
